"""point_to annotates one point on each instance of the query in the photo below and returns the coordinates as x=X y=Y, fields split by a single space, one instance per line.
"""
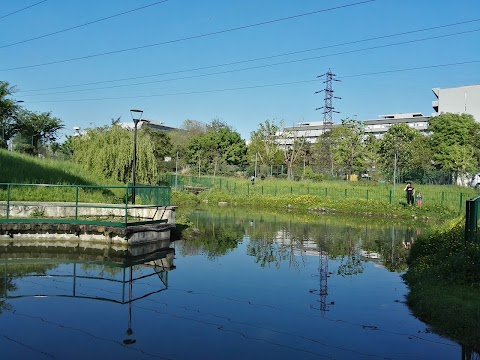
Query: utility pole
x=328 y=108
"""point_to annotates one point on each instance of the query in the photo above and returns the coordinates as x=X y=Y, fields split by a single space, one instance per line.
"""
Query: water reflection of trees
x=211 y=235
x=8 y=274
x=274 y=240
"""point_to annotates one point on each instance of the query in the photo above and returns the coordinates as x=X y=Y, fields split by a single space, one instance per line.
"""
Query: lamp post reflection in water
x=129 y=340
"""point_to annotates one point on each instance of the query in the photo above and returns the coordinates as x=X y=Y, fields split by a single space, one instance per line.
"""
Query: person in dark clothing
x=410 y=191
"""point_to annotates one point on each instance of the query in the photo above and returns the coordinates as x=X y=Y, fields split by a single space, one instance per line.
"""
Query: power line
x=268 y=65
x=251 y=60
x=191 y=37
x=180 y=93
x=411 y=69
x=22 y=9
x=82 y=25
x=258 y=86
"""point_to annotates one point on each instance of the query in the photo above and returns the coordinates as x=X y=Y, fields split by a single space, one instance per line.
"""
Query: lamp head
x=136 y=115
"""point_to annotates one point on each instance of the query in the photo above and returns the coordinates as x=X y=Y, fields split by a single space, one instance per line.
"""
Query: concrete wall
x=58 y=210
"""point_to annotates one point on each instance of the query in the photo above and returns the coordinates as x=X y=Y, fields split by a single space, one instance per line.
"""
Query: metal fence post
x=8 y=200
x=76 y=202
x=390 y=197
x=126 y=206
x=367 y=194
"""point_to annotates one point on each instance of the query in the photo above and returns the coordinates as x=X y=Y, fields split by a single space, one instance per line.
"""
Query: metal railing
x=82 y=204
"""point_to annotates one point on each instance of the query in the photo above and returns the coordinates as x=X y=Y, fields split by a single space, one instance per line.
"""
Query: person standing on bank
x=410 y=190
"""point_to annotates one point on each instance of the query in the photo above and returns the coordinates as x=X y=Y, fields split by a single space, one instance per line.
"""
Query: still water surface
x=240 y=286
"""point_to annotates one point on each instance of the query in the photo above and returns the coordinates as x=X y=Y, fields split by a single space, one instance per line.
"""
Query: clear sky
x=188 y=35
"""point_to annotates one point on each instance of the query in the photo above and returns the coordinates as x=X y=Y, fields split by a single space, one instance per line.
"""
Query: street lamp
x=137 y=117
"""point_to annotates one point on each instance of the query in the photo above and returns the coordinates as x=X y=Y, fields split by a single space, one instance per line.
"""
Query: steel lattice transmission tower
x=328 y=108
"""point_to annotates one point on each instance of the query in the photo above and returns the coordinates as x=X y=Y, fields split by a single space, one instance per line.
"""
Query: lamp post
x=137 y=117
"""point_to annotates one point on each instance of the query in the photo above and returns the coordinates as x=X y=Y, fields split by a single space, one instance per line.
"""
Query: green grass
x=437 y=199
x=24 y=169
x=314 y=203
x=444 y=281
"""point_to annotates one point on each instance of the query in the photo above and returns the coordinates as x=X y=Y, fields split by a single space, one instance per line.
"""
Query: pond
x=238 y=285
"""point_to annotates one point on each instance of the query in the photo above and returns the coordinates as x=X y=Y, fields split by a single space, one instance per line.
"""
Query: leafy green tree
x=181 y=138
x=348 y=146
x=8 y=111
x=293 y=145
x=219 y=145
x=162 y=145
x=109 y=151
x=322 y=153
x=263 y=142
x=454 y=142
x=400 y=143
x=35 y=129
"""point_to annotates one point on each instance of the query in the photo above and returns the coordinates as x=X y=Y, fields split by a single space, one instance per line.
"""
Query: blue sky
x=241 y=97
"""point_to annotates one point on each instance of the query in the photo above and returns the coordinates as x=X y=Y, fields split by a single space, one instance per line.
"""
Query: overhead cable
x=82 y=25
x=22 y=9
x=189 y=37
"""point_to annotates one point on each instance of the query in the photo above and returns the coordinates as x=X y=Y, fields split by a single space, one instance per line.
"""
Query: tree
x=181 y=138
x=348 y=146
x=8 y=111
x=263 y=142
x=454 y=142
x=292 y=146
x=109 y=151
x=36 y=129
x=398 y=148
x=219 y=145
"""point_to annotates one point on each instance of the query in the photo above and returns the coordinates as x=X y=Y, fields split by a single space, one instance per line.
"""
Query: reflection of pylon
x=323 y=275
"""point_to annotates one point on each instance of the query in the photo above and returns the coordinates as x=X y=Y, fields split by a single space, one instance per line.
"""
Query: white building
x=458 y=100
x=312 y=130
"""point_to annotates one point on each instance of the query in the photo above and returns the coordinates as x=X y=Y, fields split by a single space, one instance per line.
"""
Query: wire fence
x=450 y=197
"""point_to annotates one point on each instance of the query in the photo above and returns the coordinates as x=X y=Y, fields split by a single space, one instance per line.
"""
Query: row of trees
x=216 y=149
x=29 y=130
x=449 y=150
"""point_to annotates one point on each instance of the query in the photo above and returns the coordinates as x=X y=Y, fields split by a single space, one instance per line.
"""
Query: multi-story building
x=312 y=130
x=459 y=100
x=462 y=99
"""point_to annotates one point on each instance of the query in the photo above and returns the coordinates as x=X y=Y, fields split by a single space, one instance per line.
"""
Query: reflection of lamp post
x=137 y=117
x=129 y=340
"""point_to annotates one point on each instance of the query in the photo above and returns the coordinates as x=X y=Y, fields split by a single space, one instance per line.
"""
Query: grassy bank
x=444 y=281
x=448 y=198
x=315 y=203
x=24 y=169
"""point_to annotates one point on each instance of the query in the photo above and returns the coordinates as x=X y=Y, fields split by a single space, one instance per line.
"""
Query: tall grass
x=444 y=281
x=24 y=169
x=436 y=198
